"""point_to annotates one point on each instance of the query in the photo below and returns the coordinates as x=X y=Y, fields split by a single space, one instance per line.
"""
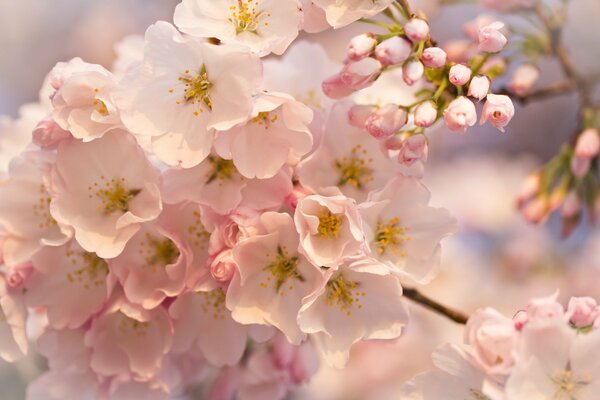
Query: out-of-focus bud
x=47 y=134
x=491 y=39
x=523 y=79
x=520 y=319
x=334 y=88
x=459 y=74
x=360 y=74
x=582 y=311
x=459 y=51
x=545 y=308
x=588 y=144
x=416 y=29
x=460 y=114
x=425 y=114
x=361 y=46
x=499 y=110
x=536 y=211
x=393 y=51
x=571 y=206
x=393 y=143
x=413 y=148
x=471 y=28
x=479 y=87
x=412 y=71
x=580 y=166
x=434 y=57
x=358 y=115
x=529 y=188
x=386 y=121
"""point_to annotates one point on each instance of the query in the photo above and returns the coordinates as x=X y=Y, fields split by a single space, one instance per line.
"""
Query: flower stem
x=427 y=302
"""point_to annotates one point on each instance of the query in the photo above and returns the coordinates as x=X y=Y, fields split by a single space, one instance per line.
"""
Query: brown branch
x=433 y=305
x=557 y=89
x=406 y=7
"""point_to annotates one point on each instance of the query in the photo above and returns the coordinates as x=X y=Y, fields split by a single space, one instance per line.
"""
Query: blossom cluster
x=542 y=352
x=199 y=207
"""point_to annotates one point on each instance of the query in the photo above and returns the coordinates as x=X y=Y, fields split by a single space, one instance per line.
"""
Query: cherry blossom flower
x=184 y=89
x=264 y=26
x=335 y=315
x=273 y=277
x=402 y=231
x=104 y=190
x=13 y=340
x=342 y=13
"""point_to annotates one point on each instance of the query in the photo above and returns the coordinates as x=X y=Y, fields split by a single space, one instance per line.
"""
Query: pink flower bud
x=459 y=74
x=479 y=87
x=360 y=74
x=425 y=114
x=358 y=115
x=529 y=188
x=520 y=319
x=334 y=88
x=393 y=143
x=536 y=210
x=412 y=71
x=416 y=29
x=459 y=51
x=499 y=110
x=223 y=267
x=393 y=51
x=571 y=206
x=588 y=144
x=523 y=79
x=18 y=275
x=386 y=121
x=546 y=308
x=580 y=166
x=361 y=46
x=434 y=57
x=471 y=28
x=47 y=134
x=460 y=114
x=491 y=39
x=582 y=311
x=413 y=148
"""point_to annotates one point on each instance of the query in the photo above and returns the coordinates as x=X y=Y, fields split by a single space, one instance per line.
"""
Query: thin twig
x=427 y=302
x=557 y=89
x=406 y=7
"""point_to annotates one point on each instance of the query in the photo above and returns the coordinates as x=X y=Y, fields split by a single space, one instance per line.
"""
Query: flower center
x=199 y=235
x=265 y=119
x=41 y=209
x=214 y=302
x=329 y=225
x=390 y=237
x=161 y=252
x=477 y=395
x=93 y=270
x=221 y=170
x=114 y=196
x=281 y=270
x=246 y=18
x=132 y=325
x=354 y=170
x=312 y=99
x=343 y=293
x=100 y=105
x=567 y=384
x=196 y=89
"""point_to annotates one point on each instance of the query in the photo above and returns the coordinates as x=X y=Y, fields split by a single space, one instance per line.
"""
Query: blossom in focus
x=499 y=110
x=460 y=114
x=491 y=39
x=479 y=87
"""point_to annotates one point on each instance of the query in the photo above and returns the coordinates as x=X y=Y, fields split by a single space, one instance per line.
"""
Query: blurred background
x=496 y=259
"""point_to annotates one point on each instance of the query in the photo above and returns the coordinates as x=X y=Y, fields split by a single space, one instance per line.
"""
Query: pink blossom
x=314 y=19
x=479 y=87
x=580 y=166
x=425 y=114
x=523 y=79
x=416 y=29
x=359 y=114
x=491 y=39
x=459 y=74
x=393 y=51
x=545 y=309
x=412 y=71
x=571 y=206
x=386 y=121
x=335 y=88
x=588 y=144
x=361 y=46
x=13 y=339
x=341 y=14
x=529 y=188
x=434 y=57
x=413 y=148
x=520 y=319
x=499 y=110
x=47 y=134
x=459 y=51
x=360 y=74
x=582 y=311
x=223 y=267
x=460 y=114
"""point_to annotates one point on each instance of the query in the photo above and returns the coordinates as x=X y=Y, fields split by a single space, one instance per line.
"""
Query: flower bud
x=393 y=51
x=434 y=57
x=571 y=206
x=459 y=74
x=459 y=51
x=545 y=308
x=523 y=79
x=588 y=144
x=582 y=311
x=425 y=114
x=358 y=115
x=413 y=148
x=416 y=29
x=412 y=71
x=491 y=39
x=361 y=46
x=360 y=74
x=536 y=210
x=520 y=319
x=386 y=121
x=479 y=87
x=223 y=267
x=334 y=88
x=393 y=143
x=580 y=166
x=529 y=188
x=499 y=110
x=460 y=114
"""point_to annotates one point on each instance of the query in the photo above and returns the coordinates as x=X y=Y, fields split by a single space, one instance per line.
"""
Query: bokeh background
x=496 y=259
